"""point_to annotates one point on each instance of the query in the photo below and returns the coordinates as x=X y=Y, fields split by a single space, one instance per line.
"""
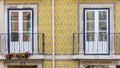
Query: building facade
x=60 y=33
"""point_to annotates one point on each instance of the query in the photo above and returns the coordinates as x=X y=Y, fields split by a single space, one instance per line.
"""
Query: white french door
x=20 y=31
x=96 y=31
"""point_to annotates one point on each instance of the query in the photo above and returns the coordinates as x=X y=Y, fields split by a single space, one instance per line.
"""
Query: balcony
x=78 y=46
x=96 y=46
x=21 y=43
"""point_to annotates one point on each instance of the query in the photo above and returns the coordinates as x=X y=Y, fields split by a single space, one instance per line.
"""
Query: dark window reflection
x=26 y=16
x=102 y=15
x=102 y=36
x=90 y=15
x=103 y=26
x=14 y=26
x=90 y=36
x=14 y=16
x=26 y=37
x=26 y=26
x=14 y=36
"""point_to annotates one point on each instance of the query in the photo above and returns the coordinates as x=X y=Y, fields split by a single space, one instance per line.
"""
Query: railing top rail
x=95 y=33
x=21 y=33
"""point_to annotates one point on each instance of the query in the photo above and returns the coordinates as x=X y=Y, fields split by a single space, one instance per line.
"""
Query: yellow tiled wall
x=66 y=20
x=117 y=27
x=47 y=63
x=66 y=64
x=61 y=64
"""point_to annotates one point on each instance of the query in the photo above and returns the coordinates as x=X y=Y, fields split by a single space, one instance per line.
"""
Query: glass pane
x=26 y=16
x=102 y=36
x=102 y=15
x=26 y=26
x=90 y=26
x=14 y=36
x=90 y=36
x=90 y=15
x=26 y=37
x=103 y=26
x=14 y=16
x=14 y=26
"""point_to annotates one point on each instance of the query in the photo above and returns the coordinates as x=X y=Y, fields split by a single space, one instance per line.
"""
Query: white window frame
x=20 y=18
x=36 y=17
x=14 y=46
x=81 y=21
x=96 y=46
x=96 y=21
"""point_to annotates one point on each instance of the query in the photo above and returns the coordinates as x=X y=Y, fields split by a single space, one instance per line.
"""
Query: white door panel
x=20 y=31
x=96 y=31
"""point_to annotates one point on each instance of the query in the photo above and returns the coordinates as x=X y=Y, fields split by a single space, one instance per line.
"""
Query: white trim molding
x=81 y=20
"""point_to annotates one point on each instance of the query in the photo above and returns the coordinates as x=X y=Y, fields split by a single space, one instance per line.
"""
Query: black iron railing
x=89 y=43
x=96 y=43
x=23 y=42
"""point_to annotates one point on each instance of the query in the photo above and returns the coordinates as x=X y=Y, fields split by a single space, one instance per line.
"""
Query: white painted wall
x=1 y=16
